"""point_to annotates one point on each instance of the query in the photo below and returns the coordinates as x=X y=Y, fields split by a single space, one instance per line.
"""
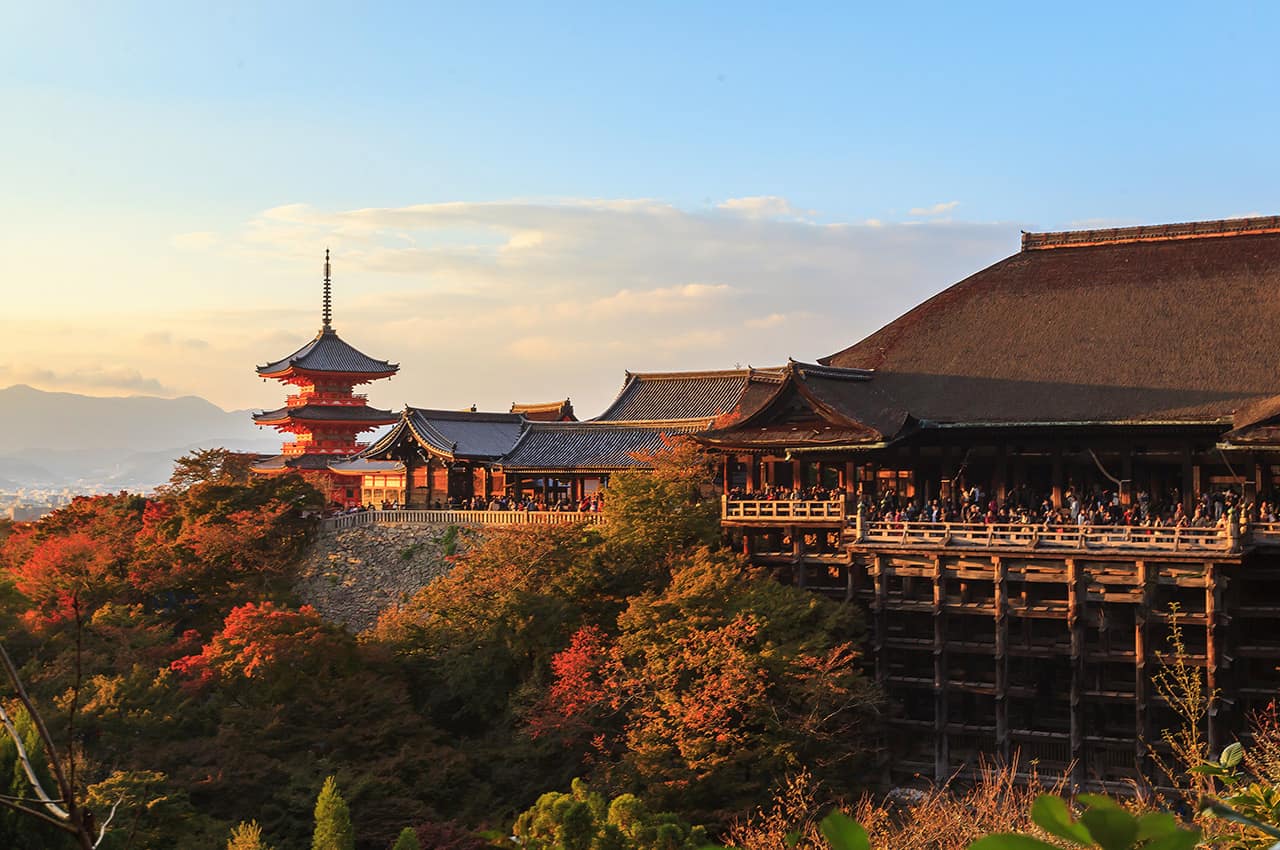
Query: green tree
x=247 y=836
x=18 y=831
x=333 y=820
x=218 y=466
x=668 y=508
x=582 y=820
x=407 y=840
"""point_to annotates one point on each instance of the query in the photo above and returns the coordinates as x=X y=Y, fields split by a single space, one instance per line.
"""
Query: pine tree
x=333 y=820
x=247 y=836
x=407 y=840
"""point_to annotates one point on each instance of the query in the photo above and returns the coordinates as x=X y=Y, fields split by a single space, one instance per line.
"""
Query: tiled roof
x=327 y=413
x=281 y=463
x=550 y=411
x=815 y=405
x=667 y=396
x=548 y=446
x=329 y=353
x=1150 y=325
x=359 y=466
x=455 y=434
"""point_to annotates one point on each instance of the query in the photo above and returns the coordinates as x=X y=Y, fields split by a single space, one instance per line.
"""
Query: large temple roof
x=1167 y=324
x=667 y=396
x=588 y=445
x=328 y=353
x=326 y=413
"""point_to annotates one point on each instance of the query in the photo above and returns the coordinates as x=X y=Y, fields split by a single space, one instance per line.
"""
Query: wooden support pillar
x=1196 y=485
x=1142 y=667
x=849 y=581
x=941 y=750
x=1057 y=476
x=753 y=473
x=1126 y=475
x=1002 y=474
x=1075 y=622
x=1001 y=594
x=797 y=556
x=408 y=480
x=1212 y=604
x=796 y=480
x=746 y=543
x=880 y=589
x=1185 y=484
x=1253 y=483
x=850 y=478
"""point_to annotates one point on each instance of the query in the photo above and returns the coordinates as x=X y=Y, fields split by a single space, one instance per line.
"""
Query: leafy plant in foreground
x=1103 y=824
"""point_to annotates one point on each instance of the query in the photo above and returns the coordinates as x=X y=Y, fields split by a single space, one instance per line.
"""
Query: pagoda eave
x=293 y=374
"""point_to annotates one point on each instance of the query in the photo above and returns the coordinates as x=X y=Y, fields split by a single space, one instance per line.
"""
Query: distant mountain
x=57 y=440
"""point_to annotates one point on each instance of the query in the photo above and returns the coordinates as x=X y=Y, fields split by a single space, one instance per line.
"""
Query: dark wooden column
x=1058 y=478
x=1142 y=658
x=1075 y=622
x=1212 y=604
x=941 y=749
x=878 y=615
x=1001 y=582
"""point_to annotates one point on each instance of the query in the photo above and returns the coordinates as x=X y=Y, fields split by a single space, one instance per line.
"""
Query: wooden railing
x=769 y=509
x=1027 y=536
x=337 y=523
x=1263 y=533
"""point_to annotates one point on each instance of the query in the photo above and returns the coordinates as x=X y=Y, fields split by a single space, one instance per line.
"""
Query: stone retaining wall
x=352 y=575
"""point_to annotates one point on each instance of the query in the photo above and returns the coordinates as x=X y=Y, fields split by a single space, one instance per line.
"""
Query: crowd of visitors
x=1080 y=507
x=587 y=504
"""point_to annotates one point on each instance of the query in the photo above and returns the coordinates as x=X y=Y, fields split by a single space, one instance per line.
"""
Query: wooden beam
x=1142 y=666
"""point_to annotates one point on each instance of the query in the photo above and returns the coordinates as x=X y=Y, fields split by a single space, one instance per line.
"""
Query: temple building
x=325 y=415
x=443 y=458
x=1027 y=479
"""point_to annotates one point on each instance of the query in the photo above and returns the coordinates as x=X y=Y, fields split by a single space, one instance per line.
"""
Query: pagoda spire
x=326 y=312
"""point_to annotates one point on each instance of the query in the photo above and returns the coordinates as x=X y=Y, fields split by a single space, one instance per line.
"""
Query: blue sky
x=549 y=189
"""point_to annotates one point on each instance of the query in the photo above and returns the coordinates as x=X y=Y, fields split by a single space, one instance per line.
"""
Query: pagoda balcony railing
x=336 y=449
x=773 y=511
x=412 y=517
x=1031 y=536
x=349 y=399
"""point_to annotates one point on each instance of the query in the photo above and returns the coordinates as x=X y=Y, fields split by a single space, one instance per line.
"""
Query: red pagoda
x=325 y=415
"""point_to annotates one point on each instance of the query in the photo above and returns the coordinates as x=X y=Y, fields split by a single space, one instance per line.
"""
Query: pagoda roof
x=549 y=411
x=328 y=353
x=587 y=446
x=326 y=413
x=360 y=466
x=670 y=396
x=1171 y=324
x=287 y=463
x=454 y=434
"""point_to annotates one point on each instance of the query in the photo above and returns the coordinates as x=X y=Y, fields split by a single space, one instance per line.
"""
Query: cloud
x=516 y=299
x=761 y=206
x=196 y=240
x=91 y=381
x=937 y=209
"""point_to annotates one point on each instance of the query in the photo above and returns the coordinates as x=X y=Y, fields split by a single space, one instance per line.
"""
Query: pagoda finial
x=326 y=312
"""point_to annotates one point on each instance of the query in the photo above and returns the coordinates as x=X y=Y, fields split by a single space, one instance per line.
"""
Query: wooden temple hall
x=1027 y=479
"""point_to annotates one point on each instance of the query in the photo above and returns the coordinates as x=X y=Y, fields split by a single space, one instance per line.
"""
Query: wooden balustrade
x=1027 y=536
x=773 y=510
x=354 y=520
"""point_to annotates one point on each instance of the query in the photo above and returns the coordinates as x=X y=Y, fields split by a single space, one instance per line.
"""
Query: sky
x=525 y=200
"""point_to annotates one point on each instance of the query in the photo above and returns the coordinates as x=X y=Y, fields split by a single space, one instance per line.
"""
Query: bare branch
x=60 y=824
x=106 y=823
x=11 y=671
x=29 y=768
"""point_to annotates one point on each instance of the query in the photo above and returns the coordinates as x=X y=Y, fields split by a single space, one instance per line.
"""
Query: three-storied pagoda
x=325 y=415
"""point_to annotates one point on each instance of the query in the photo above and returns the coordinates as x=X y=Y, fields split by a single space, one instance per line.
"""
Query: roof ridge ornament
x=326 y=309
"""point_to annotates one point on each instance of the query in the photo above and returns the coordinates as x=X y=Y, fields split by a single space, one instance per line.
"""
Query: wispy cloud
x=100 y=381
x=941 y=208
